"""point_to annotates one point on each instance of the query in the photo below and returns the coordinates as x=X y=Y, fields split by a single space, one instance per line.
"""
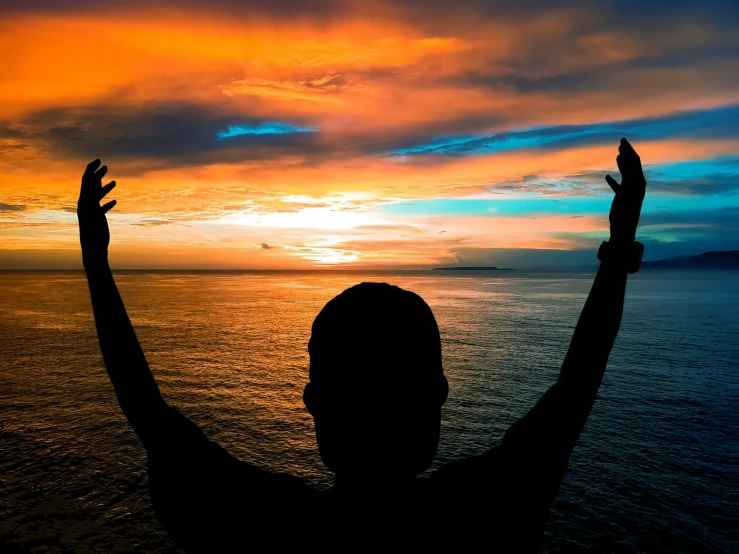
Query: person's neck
x=366 y=484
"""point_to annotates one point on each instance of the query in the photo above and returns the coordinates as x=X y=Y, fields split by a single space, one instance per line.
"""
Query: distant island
x=717 y=259
x=473 y=268
x=726 y=259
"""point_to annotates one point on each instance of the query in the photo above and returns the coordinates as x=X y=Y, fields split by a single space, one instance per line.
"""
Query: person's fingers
x=612 y=183
x=100 y=173
x=625 y=147
x=108 y=206
x=630 y=158
x=622 y=165
x=106 y=189
x=92 y=166
x=88 y=183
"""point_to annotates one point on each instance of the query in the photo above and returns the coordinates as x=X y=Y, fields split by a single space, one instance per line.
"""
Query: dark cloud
x=676 y=233
x=710 y=65
x=284 y=9
x=8 y=133
x=720 y=176
x=725 y=220
x=11 y=139
x=267 y=246
x=182 y=132
x=525 y=258
x=634 y=12
x=12 y=207
x=718 y=123
x=185 y=133
x=10 y=147
x=706 y=185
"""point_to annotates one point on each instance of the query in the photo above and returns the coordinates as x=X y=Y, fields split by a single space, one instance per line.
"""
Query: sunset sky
x=312 y=133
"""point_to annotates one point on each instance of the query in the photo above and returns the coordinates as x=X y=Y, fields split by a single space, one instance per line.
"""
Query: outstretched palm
x=94 y=233
x=626 y=207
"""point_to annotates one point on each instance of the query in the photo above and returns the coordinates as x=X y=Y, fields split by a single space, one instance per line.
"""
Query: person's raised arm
x=600 y=319
x=204 y=497
x=137 y=392
x=523 y=474
x=557 y=420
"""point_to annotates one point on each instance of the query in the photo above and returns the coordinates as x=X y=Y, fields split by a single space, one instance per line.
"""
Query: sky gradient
x=303 y=134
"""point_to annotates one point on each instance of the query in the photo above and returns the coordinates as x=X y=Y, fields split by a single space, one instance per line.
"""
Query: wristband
x=628 y=256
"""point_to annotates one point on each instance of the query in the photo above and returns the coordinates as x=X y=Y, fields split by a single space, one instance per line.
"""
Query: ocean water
x=654 y=471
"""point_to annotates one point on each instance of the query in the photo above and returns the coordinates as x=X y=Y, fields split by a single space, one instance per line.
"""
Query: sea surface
x=655 y=469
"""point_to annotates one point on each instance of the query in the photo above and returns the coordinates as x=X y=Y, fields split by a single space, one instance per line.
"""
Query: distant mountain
x=728 y=259
x=473 y=268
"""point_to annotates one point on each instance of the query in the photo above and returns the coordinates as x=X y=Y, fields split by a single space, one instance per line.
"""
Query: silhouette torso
x=208 y=501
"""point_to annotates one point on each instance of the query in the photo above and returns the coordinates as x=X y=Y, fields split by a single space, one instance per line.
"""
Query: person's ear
x=309 y=398
x=443 y=390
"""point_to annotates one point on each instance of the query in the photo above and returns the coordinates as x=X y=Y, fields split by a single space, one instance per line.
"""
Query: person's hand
x=626 y=205
x=94 y=233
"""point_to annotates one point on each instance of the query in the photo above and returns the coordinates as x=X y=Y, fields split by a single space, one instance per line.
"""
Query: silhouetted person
x=376 y=390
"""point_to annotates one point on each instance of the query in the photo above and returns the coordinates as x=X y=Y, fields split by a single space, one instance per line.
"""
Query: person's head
x=376 y=381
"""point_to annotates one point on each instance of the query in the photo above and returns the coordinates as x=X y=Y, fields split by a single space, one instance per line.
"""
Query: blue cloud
x=697 y=169
x=530 y=205
x=268 y=128
x=713 y=176
x=690 y=207
x=718 y=123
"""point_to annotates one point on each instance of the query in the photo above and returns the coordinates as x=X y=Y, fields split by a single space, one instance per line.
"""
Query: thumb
x=612 y=183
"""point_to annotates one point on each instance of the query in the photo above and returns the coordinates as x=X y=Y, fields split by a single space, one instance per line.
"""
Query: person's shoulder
x=290 y=485
x=473 y=471
x=206 y=498
x=208 y=468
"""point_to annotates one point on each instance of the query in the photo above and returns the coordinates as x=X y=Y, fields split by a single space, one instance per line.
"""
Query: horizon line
x=431 y=270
